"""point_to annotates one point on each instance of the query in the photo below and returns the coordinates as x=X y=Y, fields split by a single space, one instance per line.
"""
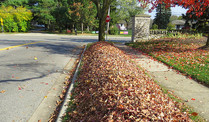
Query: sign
x=108 y=18
x=1 y=21
x=124 y=32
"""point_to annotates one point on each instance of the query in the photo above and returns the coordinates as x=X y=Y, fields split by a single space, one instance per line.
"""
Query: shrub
x=114 y=31
x=155 y=27
x=170 y=26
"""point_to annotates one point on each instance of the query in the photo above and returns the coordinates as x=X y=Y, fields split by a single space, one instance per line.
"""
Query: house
x=179 y=24
x=121 y=25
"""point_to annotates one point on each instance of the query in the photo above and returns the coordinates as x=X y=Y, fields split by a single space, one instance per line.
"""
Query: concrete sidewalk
x=195 y=94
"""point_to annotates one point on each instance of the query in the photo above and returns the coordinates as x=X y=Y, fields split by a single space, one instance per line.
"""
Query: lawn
x=182 y=54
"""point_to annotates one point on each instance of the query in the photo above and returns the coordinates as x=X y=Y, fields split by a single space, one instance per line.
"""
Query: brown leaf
x=194 y=114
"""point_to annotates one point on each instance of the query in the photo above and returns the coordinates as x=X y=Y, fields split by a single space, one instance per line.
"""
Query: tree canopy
x=128 y=9
x=162 y=17
x=15 y=19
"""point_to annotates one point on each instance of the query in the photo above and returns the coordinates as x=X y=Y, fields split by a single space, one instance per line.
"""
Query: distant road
x=29 y=66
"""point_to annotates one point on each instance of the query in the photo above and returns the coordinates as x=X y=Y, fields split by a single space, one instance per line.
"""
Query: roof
x=178 y=22
x=122 y=22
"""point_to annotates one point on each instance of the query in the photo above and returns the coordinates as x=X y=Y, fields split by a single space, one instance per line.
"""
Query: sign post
x=107 y=21
x=2 y=24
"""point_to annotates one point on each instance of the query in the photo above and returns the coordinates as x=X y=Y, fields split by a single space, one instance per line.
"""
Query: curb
x=69 y=90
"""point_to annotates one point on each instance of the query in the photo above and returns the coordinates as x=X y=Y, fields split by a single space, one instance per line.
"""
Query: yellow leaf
x=2 y=91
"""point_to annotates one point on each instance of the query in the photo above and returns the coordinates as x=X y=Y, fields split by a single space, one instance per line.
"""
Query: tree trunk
x=102 y=9
x=102 y=23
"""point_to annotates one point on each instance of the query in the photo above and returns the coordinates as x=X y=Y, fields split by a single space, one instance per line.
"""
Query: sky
x=178 y=11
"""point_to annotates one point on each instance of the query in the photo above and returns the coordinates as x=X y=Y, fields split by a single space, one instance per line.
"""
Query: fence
x=156 y=32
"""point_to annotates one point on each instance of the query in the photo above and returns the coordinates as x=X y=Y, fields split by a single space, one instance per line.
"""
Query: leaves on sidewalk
x=112 y=88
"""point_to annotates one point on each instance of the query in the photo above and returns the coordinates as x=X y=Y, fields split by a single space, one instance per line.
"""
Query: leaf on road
x=35 y=58
x=3 y=91
x=193 y=99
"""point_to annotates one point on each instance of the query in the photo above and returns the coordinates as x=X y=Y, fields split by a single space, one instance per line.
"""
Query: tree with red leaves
x=198 y=7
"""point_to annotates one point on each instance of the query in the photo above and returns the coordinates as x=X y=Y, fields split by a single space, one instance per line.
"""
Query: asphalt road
x=28 y=72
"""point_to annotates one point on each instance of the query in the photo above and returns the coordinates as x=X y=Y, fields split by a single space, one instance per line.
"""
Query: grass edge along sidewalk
x=180 y=54
x=111 y=87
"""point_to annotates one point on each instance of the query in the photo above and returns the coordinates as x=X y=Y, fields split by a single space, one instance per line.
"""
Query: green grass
x=181 y=55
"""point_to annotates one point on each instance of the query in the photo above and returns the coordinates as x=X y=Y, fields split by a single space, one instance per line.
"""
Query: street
x=30 y=65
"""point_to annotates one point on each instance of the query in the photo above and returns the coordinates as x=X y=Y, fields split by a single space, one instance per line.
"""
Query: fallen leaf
x=110 y=78
x=61 y=96
x=194 y=114
x=45 y=96
x=3 y=91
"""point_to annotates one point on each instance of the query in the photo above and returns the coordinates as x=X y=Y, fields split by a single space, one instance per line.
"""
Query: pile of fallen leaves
x=112 y=88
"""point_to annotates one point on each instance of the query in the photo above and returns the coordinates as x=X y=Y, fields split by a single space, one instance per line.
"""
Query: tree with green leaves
x=83 y=12
x=128 y=9
x=174 y=17
x=43 y=12
x=61 y=15
x=162 y=17
x=15 y=20
x=16 y=3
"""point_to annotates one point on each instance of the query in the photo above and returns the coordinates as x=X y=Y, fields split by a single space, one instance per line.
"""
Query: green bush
x=155 y=27
x=170 y=26
x=114 y=31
